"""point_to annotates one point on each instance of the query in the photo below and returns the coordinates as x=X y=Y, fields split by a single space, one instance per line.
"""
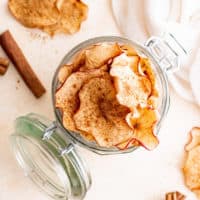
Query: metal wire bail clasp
x=49 y=131
x=166 y=51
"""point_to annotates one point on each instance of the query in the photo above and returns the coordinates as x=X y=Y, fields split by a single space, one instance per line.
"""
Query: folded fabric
x=140 y=20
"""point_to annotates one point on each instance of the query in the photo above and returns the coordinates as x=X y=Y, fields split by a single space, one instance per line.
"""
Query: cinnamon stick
x=21 y=64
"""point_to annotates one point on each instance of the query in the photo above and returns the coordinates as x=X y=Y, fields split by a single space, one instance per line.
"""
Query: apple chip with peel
x=132 y=142
x=100 y=54
x=67 y=96
x=145 y=69
x=143 y=127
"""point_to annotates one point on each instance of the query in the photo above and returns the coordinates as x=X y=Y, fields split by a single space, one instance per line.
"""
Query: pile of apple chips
x=108 y=94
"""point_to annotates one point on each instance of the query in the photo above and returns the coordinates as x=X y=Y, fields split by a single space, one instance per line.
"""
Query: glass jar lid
x=49 y=158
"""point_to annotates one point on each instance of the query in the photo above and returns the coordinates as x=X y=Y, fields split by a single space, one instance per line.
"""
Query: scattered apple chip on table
x=51 y=16
x=191 y=168
x=106 y=96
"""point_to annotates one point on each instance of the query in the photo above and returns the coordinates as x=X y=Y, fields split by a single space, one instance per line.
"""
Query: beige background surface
x=141 y=175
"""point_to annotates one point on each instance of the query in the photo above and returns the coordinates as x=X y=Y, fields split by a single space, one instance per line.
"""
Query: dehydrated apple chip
x=145 y=69
x=129 y=50
x=64 y=72
x=132 y=90
x=194 y=139
x=51 y=16
x=67 y=96
x=191 y=168
x=143 y=126
x=98 y=55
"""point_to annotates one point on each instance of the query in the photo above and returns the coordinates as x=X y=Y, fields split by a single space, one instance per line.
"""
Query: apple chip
x=132 y=90
x=145 y=69
x=127 y=144
x=64 y=72
x=100 y=54
x=194 y=139
x=129 y=50
x=107 y=126
x=67 y=96
x=34 y=13
x=191 y=168
x=144 y=127
x=52 y=16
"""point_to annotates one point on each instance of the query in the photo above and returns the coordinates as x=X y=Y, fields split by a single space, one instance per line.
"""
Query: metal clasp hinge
x=166 y=51
x=49 y=131
x=67 y=149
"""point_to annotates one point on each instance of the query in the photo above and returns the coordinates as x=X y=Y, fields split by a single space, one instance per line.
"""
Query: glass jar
x=45 y=150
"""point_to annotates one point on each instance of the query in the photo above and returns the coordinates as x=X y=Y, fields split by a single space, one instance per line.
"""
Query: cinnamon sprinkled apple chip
x=51 y=16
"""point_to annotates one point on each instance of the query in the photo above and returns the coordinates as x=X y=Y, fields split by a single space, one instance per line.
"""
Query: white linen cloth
x=141 y=19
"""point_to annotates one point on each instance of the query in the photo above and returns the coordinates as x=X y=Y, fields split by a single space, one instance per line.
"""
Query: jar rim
x=161 y=73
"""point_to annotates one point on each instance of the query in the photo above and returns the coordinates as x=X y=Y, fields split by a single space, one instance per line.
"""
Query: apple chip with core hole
x=98 y=55
x=51 y=16
x=191 y=168
x=143 y=127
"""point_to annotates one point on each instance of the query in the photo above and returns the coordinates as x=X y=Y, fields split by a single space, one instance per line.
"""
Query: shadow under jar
x=46 y=150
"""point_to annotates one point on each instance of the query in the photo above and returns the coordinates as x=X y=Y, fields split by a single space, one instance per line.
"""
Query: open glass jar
x=46 y=151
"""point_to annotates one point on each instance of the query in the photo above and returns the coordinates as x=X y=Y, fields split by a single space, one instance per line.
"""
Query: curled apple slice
x=67 y=96
x=194 y=139
x=129 y=50
x=143 y=126
x=99 y=55
x=132 y=90
x=145 y=69
x=132 y=142
x=65 y=72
